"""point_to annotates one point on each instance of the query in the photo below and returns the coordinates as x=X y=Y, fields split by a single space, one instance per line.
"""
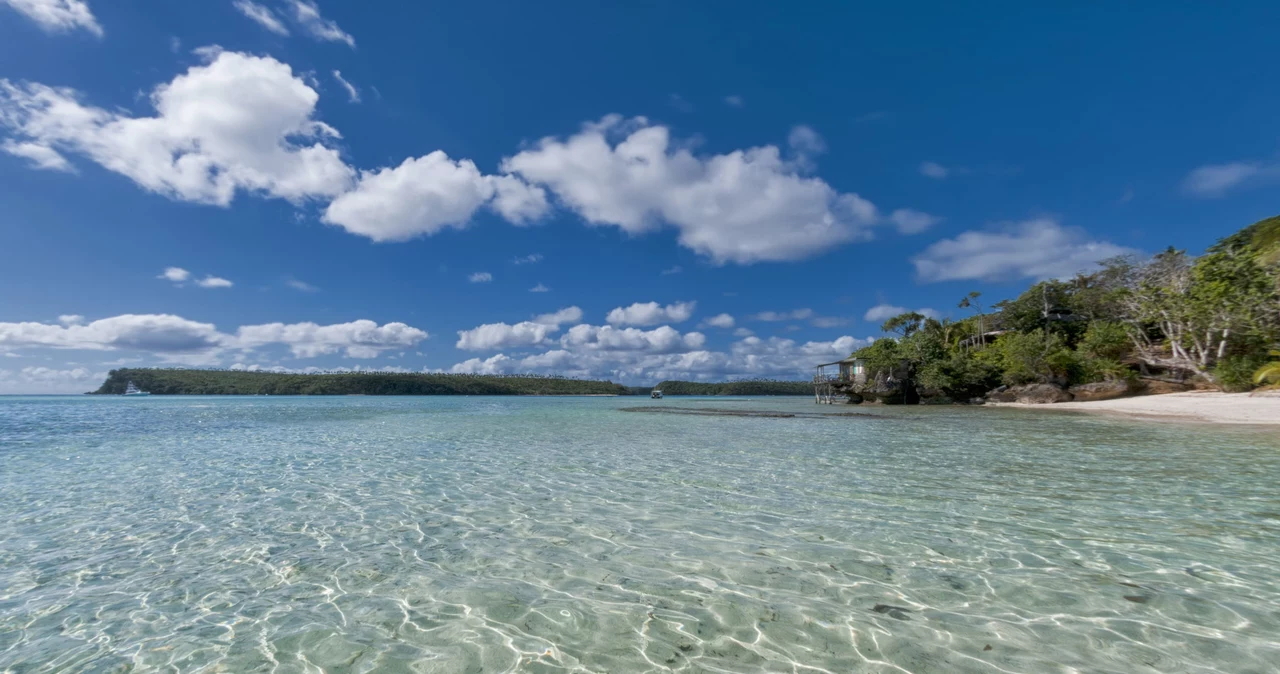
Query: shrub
x=1105 y=340
x=1236 y=373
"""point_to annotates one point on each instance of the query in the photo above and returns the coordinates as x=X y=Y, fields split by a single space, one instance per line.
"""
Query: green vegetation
x=757 y=387
x=229 y=382
x=1211 y=318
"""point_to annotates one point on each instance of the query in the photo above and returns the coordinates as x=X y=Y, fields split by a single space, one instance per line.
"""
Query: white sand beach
x=1200 y=406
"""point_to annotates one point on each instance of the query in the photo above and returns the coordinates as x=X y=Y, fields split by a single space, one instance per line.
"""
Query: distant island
x=181 y=381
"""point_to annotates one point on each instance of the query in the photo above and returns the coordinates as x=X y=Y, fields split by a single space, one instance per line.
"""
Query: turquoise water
x=542 y=535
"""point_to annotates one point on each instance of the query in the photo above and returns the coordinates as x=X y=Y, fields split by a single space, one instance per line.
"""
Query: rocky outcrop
x=1161 y=386
x=1030 y=394
x=1104 y=390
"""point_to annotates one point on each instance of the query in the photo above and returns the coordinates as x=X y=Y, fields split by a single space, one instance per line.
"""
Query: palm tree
x=1269 y=373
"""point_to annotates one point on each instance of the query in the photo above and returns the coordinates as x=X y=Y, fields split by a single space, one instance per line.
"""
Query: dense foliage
x=229 y=382
x=756 y=387
x=1211 y=318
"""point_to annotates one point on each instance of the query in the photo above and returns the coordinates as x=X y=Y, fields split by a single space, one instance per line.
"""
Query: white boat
x=132 y=390
x=656 y=393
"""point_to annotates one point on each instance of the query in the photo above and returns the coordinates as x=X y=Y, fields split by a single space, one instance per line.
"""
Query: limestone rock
x=1103 y=390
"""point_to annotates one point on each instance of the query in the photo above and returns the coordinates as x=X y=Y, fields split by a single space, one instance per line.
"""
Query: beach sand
x=1199 y=406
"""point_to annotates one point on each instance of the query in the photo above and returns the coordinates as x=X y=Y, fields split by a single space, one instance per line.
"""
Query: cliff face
x=226 y=382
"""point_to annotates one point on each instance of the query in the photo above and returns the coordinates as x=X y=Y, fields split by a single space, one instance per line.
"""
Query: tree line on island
x=1171 y=322
x=182 y=381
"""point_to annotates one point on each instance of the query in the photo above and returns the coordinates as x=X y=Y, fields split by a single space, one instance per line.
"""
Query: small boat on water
x=131 y=390
x=655 y=394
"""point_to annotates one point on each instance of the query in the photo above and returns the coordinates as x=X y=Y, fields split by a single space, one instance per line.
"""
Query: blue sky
x=692 y=193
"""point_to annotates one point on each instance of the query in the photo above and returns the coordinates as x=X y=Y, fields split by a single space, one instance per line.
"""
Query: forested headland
x=178 y=381
x=1171 y=322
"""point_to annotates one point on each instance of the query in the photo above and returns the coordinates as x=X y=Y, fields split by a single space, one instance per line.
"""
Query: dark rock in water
x=1103 y=390
x=988 y=647
x=892 y=611
x=1136 y=598
x=1031 y=394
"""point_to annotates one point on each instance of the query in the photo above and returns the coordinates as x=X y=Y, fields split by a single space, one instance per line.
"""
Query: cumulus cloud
x=480 y=277
x=491 y=336
x=307 y=14
x=353 y=94
x=828 y=321
x=664 y=339
x=262 y=15
x=1037 y=249
x=301 y=285
x=934 y=170
x=883 y=312
x=1215 y=180
x=45 y=380
x=909 y=221
x=531 y=258
x=175 y=275
x=776 y=316
x=357 y=339
x=71 y=319
x=539 y=289
x=58 y=16
x=720 y=321
x=665 y=356
x=651 y=313
x=238 y=123
x=423 y=195
x=214 y=282
x=41 y=156
x=745 y=206
x=170 y=336
x=558 y=318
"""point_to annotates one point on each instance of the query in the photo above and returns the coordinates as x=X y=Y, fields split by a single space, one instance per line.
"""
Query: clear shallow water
x=541 y=535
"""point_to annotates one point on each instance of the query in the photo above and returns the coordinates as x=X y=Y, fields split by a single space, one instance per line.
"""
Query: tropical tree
x=1269 y=373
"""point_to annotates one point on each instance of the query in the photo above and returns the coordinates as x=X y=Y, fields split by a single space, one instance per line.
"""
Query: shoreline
x=1208 y=407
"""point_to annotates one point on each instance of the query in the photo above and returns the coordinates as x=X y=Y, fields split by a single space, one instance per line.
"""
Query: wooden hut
x=828 y=378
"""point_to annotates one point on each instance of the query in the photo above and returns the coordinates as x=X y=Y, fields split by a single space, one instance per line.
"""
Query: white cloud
x=262 y=15
x=911 y=221
x=651 y=313
x=744 y=332
x=664 y=339
x=480 y=277
x=307 y=14
x=71 y=319
x=775 y=316
x=883 y=312
x=805 y=141
x=353 y=94
x=426 y=194
x=828 y=321
x=171 y=337
x=539 y=289
x=492 y=336
x=532 y=258
x=934 y=170
x=44 y=380
x=175 y=274
x=668 y=356
x=301 y=285
x=40 y=155
x=1037 y=249
x=358 y=339
x=675 y=269
x=566 y=315
x=503 y=336
x=58 y=16
x=239 y=122
x=1215 y=180
x=210 y=281
x=734 y=101
x=720 y=321
x=745 y=206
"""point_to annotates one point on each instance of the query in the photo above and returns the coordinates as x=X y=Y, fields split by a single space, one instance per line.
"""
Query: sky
x=627 y=192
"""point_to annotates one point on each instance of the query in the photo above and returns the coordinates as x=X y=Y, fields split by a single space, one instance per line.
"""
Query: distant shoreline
x=1208 y=407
